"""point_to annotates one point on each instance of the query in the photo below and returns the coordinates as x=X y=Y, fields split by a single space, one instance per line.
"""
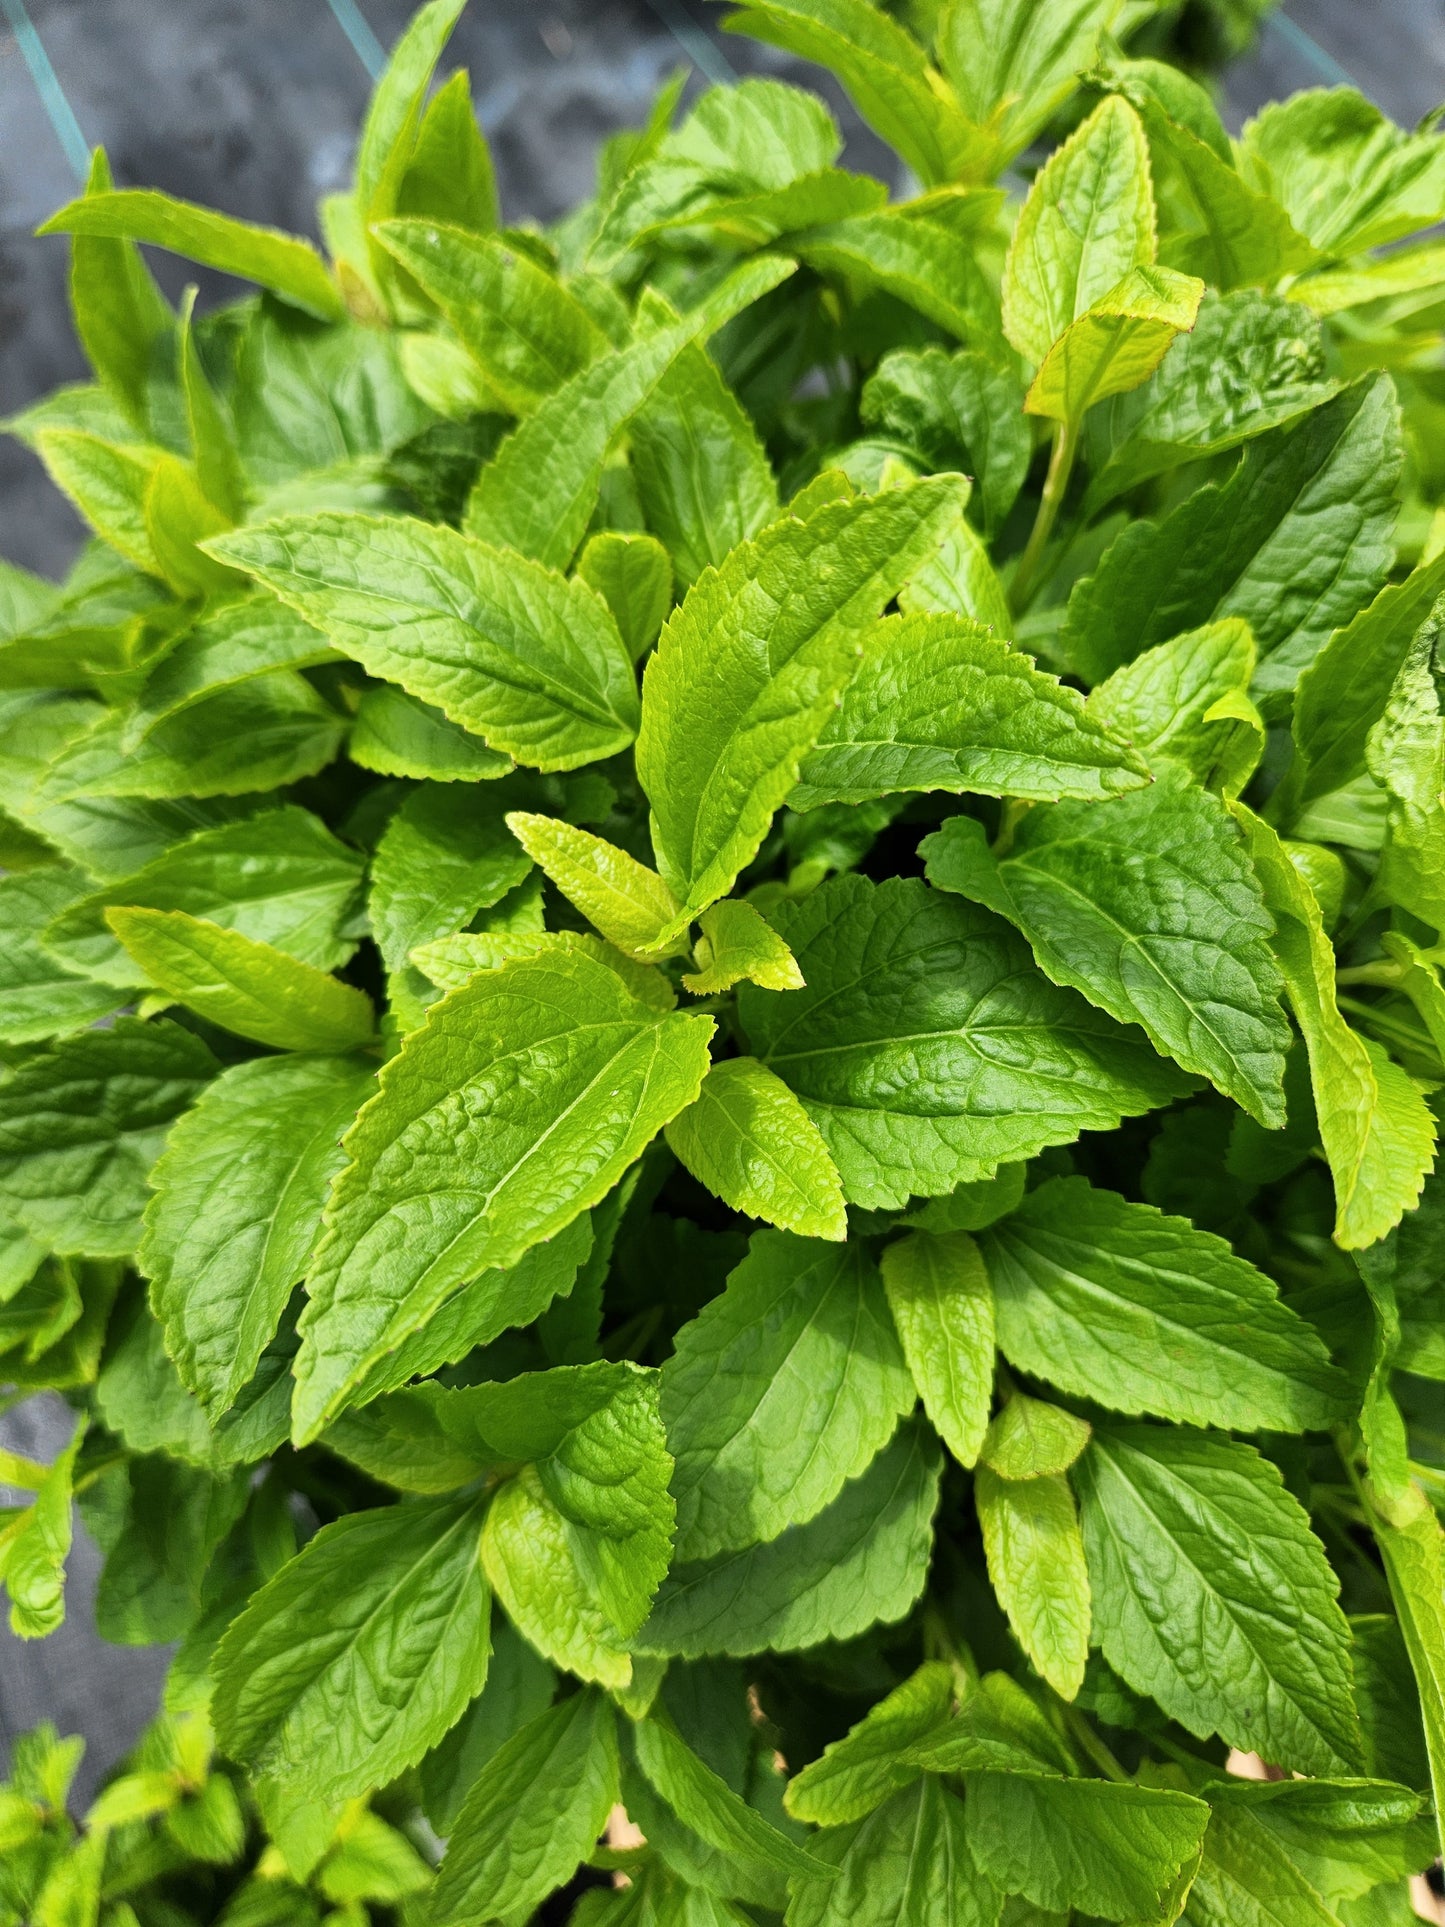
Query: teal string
x=707 y=58
x=364 y=43
x=1304 y=44
x=58 y=110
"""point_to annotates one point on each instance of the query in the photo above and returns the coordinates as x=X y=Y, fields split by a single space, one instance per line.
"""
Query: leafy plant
x=722 y=1011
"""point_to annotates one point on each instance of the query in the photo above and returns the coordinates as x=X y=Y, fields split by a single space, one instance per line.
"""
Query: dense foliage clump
x=721 y=1015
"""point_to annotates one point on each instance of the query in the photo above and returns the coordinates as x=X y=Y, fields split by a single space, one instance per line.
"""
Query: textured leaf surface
x=783 y=1389
x=749 y=1140
x=748 y=668
x=1036 y=1564
x=1212 y=1595
x=863 y=1559
x=939 y=1295
x=1149 y=905
x=40 y=996
x=925 y=1047
x=937 y=703
x=912 y=1859
x=853 y=1775
x=520 y=1102
x=1142 y=1312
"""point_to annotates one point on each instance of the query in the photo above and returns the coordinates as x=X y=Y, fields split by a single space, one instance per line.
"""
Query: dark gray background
x=252 y=106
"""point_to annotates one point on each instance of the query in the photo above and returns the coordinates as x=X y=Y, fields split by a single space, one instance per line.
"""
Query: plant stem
x=1056 y=482
x=1080 y=1730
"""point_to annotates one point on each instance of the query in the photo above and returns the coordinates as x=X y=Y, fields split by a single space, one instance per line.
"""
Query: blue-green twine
x=364 y=43
x=58 y=109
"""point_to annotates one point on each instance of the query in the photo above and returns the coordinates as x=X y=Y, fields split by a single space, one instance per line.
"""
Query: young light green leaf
x=738 y=942
x=1035 y=1556
x=449 y=176
x=918 y=261
x=938 y=703
x=938 y=1292
x=1255 y=546
x=244 y=986
x=1088 y=220
x=702 y=473
x=907 y=983
x=538 y=492
x=1032 y=1440
x=1413 y=1551
x=960 y=580
x=960 y=411
x=1116 y=344
x=746 y=672
x=749 y=1140
x=1014 y=64
x=1212 y=1595
x=1117 y=1302
x=107 y=484
x=783 y=1389
x=540 y=1573
x=534 y=1813
x=504 y=647
x=34 y=1545
x=237 y=1209
x=522 y=327
x=290 y=268
x=1377 y=1132
x=633 y=575
x=81 y=1125
x=861 y=1561
x=859 y=1772
x=396 y=735
x=520 y=1102
x=121 y=316
x=1122 y=1852
x=40 y=995
x=1147 y=903
x=360 y=1653
x=884 y=70
x=627 y=902
x=1165 y=703
x=213 y=444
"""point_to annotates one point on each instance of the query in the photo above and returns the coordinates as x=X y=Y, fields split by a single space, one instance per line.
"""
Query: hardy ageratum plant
x=720 y=1003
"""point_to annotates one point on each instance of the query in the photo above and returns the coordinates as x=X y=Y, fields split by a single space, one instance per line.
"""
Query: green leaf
x=1295 y=542
x=279 y=877
x=1413 y=1552
x=633 y=576
x=537 y=494
x=177 y=517
x=1117 y=1302
x=1032 y=1440
x=627 y=902
x=1344 y=692
x=899 y=978
x=1177 y=701
x=1184 y=412
x=857 y=1773
x=1405 y=752
x=394 y=115
x=108 y=485
x=213 y=444
x=1014 y=64
x=1122 y=1852
x=520 y=1102
x=533 y=1815
x=960 y=411
x=235 y=643
x=503 y=647
x=937 y=703
x=785 y=1388
x=738 y=942
x=1346 y=176
x=360 y=1653
x=1088 y=220
x=745 y=675
x=519 y=1687
x=707 y=1804
x=288 y=267
x=446 y=854
x=1377 y=1133
x=244 y=986
x=1147 y=903
x=81 y=1125
x=748 y=1139
x=918 y=261
x=40 y=995
x=34 y=1546
x=540 y=1574
x=886 y=75
x=521 y=326
x=702 y=474
x=861 y=1561
x=121 y=316
x=237 y=1209
x=396 y=735
x=1212 y=1595
x=960 y=580
x=449 y=175
x=938 y=1293
x=1035 y=1556
x=1116 y=344
x=911 y=1859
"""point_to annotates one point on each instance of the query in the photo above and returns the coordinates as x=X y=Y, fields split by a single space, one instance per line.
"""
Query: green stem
x=1389 y=974
x=1089 y=1741
x=1056 y=482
